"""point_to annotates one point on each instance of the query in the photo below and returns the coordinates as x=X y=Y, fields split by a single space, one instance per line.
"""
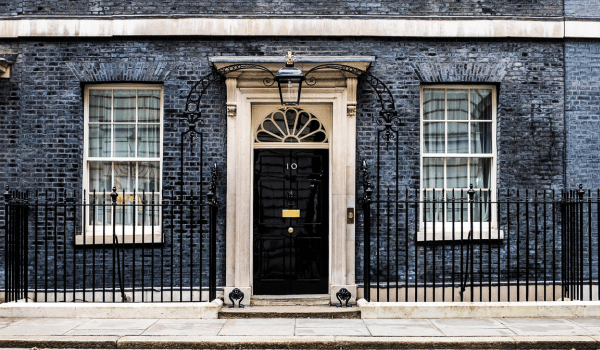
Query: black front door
x=291 y=223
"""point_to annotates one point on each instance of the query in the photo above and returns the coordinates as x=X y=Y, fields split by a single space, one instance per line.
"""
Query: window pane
x=481 y=104
x=458 y=105
x=457 y=207
x=148 y=213
x=433 y=172
x=481 y=137
x=99 y=140
x=148 y=136
x=458 y=138
x=456 y=172
x=124 y=135
x=125 y=176
x=434 y=210
x=100 y=176
x=481 y=172
x=99 y=211
x=433 y=104
x=481 y=206
x=433 y=137
x=124 y=106
x=148 y=176
x=149 y=106
x=124 y=210
x=100 y=101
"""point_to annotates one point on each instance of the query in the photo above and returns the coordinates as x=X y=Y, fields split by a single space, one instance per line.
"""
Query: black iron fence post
x=580 y=280
x=117 y=268
x=7 y=235
x=212 y=250
x=366 y=205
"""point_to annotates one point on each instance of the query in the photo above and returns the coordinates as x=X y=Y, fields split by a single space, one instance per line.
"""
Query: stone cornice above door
x=326 y=77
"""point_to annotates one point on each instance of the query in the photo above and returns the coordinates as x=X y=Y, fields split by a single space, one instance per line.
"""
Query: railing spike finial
x=114 y=195
x=471 y=193
x=6 y=194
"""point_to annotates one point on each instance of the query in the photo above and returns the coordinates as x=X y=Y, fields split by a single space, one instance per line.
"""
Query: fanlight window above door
x=291 y=125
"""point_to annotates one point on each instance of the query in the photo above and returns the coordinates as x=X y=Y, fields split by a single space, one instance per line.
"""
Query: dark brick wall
x=582 y=8
x=50 y=75
x=582 y=113
x=10 y=131
x=529 y=77
x=541 y=8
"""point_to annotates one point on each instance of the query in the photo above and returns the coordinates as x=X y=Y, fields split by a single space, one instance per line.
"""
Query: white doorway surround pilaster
x=245 y=89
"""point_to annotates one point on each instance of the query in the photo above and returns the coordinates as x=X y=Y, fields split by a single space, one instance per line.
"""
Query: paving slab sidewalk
x=507 y=333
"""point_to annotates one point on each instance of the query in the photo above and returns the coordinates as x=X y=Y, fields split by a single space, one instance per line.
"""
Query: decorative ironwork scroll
x=343 y=295
x=388 y=115
x=236 y=294
x=192 y=105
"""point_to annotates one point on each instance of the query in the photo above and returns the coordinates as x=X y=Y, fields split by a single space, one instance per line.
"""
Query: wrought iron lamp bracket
x=388 y=116
x=192 y=106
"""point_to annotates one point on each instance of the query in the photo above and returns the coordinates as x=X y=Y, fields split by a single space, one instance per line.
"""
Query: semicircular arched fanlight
x=291 y=125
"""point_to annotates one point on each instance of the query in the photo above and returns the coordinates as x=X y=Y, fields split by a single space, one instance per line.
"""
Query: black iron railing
x=474 y=245
x=110 y=247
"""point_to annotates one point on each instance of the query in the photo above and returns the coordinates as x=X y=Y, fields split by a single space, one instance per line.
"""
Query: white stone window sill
x=457 y=235
x=148 y=237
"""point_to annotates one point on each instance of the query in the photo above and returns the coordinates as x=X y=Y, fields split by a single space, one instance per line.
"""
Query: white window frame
x=98 y=234
x=438 y=231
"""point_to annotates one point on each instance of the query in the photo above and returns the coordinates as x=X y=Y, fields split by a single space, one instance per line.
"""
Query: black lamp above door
x=289 y=80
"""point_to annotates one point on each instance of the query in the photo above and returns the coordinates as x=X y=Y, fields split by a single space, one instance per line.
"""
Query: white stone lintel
x=429 y=27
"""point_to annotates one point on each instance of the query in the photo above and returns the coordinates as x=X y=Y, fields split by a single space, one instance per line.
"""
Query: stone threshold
x=197 y=310
x=417 y=310
x=296 y=311
x=296 y=342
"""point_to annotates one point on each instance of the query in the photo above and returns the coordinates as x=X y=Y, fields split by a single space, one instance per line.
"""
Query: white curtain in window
x=481 y=179
x=148 y=106
x=125 y=176
x=124 y=140
x=100 y=182
x=481 y=115
x=148 y=137
x=100 y=102
x=99 y=112
x=124 y=106
x=148 y=177
x=433 y=178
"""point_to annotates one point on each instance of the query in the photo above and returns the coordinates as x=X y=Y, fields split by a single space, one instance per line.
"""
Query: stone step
x=290 y=300
x=295 y=311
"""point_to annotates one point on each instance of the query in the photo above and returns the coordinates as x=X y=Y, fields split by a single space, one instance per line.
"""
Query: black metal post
x=580 y=193
x=7 y=235
x=212 y=251
x=366 y=204
x=113 y=197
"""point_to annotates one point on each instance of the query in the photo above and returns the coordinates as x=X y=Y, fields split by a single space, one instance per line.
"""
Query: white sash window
x=123 y=148
x=458 y=148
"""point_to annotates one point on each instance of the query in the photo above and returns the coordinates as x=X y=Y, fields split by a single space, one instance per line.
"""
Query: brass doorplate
x=290 y=213
x=350 y=216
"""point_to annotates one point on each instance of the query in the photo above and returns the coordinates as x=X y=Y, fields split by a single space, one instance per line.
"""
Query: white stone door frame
x=246 y=89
